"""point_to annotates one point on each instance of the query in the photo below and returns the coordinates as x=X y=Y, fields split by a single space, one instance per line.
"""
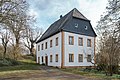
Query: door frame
x=46 y=60
x=38 y=60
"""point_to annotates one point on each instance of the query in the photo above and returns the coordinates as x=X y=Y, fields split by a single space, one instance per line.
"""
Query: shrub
x=8 y=62
x=43 y=64
x=106 y=68
x=4 y=62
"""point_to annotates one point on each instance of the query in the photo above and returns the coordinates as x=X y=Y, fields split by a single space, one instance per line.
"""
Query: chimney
x=60 y=16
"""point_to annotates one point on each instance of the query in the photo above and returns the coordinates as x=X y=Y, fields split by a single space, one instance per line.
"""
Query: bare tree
x=108 y=29
x=13 y=15
x=5 y=36
x=32 y=35
x=9 y=10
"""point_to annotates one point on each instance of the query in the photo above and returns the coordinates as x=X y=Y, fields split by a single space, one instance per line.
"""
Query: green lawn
x=28 y=66
x=93 y=74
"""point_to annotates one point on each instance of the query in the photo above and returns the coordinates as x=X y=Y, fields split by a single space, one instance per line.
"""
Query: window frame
x=38 y=47
x=79 y=58
x=56 y=58
x=80 y=41
x=89 y=42
x=89 y=60
x=70 y=41
x=56 y=43
x=51 y=43
x=42 y=47
x=50 y=58
x=46 y=45
x=71 y=57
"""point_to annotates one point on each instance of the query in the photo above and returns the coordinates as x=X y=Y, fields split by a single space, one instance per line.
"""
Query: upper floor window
x=71 y=40
x=89 y=58
x=56 y=58
x=57 y=41
x=71 y=57
x=88 y=42
x=50 y=58
x=80 y=41
x=50 y=43
x=80 y=57
x=46 y=45
x=42 y=47
x=38 y=47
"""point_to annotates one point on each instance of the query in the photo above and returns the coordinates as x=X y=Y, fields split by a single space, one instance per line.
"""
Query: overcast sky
x=48 y=11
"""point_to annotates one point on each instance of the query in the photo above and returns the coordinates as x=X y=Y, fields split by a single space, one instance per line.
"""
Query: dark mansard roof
x=73 y=22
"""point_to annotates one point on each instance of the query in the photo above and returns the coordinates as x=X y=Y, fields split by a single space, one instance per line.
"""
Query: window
x=88 y=58
x=50 y=43
x=46 y=45
x=56 y=58
x=80 y=57
x=80 y=41
x=39 y=60
x=50 y=58
x=42 y=59
x=88 y=42
x=71 y=40
x=57 y=41
x=42 y=47
x=86 y=27
x=71 y=58
x=38 y=47
x=76 y=25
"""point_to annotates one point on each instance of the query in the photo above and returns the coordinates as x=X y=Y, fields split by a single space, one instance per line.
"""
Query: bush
x=4 y=62
x=28 y=56
x=104 y=67
x=14 y=62
x=43 y=64
x=8 y=62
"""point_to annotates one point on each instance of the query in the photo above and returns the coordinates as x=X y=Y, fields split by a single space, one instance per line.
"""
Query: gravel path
x=45 y=73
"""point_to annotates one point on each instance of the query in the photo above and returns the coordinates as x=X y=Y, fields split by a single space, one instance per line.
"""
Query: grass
x=92 y=74
x=27 y=66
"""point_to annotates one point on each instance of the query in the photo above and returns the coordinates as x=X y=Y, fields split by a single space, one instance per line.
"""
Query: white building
x=68 y=42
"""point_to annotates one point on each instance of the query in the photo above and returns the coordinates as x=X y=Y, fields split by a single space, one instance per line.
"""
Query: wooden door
x=46 y=60
x=38 y=60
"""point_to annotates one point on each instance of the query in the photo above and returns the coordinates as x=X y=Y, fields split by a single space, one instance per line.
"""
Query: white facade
x=50 y=50
x=74 y=49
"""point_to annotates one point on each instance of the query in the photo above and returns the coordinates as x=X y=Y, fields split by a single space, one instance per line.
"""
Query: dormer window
x=76 y=25
x=86 y=27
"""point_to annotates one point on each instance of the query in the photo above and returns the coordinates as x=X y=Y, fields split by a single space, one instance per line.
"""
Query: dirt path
x=45 y=73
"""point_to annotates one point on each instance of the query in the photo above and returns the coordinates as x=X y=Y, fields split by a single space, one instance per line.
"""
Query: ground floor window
x=80 y=57
x=56 y=58
x=89 y=58
x=42 y=59
x=39 y=60
x=71 y=57
x=50 y=58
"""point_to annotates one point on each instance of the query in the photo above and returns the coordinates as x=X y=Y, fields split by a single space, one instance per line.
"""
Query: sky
x=48 y=11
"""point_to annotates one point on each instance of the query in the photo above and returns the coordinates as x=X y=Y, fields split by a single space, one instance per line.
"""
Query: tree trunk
x=16 y=51
x=4 y=54
x=31 y=49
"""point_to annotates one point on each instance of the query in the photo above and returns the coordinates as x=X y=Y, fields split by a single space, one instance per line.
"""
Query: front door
x=39 y=60
x=46 y=60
